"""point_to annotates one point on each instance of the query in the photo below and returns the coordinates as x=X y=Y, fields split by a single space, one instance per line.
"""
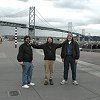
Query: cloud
x=24 y=0
x=71 y=4
x=11 y=15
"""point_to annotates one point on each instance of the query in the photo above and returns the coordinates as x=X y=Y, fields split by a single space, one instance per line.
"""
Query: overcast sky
x=84 y=14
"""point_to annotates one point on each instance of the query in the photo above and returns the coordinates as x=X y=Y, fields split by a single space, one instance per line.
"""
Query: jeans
x=27 y=72
x=69 y=60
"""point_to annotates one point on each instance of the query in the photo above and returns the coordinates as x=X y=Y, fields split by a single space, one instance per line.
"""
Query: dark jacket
x=75 y=50
x=49 y=50
x=25 y=53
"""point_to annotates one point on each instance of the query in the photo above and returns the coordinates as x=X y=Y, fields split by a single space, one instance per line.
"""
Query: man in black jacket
x=25 y=57
x=70 y=55
x=49 y=49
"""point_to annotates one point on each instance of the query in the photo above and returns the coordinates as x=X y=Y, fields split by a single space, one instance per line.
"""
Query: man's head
x=27 y=39
x=70 y=37
x=49 y=40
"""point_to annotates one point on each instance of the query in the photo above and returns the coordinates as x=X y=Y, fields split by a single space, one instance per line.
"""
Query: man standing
x=49 y=49
x=70 y=55
x=25 y=57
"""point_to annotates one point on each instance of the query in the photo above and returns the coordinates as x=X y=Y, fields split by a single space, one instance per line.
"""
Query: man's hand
x=76 y=61
x=31 y=42
x=21 y=63
x=62 y=60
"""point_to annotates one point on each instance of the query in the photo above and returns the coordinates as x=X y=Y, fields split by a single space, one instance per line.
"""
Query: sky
x=83 y=14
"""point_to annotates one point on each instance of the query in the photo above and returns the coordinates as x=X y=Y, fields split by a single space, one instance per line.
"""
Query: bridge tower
x=89 y=37
x=83 y=33
x=78 y=37
x=70 y=26
x=31 y=31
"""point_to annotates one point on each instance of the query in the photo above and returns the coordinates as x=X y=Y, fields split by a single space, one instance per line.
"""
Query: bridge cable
x=45 y=19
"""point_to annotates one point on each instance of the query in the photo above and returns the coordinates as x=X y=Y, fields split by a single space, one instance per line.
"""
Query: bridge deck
x=88 y=76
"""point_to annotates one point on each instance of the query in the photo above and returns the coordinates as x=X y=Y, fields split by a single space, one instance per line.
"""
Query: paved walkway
x=88 y=76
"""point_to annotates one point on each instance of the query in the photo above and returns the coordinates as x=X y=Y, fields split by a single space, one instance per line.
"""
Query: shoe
x=63 y=82
x=46 y=83
x=25 y=86
x=75 y=82
x=32 y=84
x=51 y=82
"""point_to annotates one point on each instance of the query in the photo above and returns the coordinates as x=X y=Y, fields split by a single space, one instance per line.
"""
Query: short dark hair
x=27 y=37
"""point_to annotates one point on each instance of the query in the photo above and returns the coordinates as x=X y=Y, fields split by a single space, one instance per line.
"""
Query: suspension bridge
x=29 y=21
x=35 y=23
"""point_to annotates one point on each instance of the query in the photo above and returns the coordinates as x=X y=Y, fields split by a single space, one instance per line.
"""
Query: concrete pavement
x=10 y=79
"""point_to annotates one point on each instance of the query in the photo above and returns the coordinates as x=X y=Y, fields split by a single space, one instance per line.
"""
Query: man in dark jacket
x=70 y=55
x=25 y=57
x=49 y=49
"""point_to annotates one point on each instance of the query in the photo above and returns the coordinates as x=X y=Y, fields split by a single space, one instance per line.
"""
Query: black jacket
x=49 y=50
x=75 y=50
x=25 y=53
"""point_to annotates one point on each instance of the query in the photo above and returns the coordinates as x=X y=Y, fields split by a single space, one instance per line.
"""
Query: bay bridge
x=30 y=22
x=33 y=21
x=12 y=24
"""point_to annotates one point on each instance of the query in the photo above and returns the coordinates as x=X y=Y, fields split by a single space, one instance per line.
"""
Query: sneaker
x=32 y=84
x=46 y=83
x=75 y=82
x=51 y=82
x=25 y=86
x=63 y=82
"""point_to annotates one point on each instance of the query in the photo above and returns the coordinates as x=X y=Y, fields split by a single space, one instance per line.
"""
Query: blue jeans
x=27 y=72
x=69 y=60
